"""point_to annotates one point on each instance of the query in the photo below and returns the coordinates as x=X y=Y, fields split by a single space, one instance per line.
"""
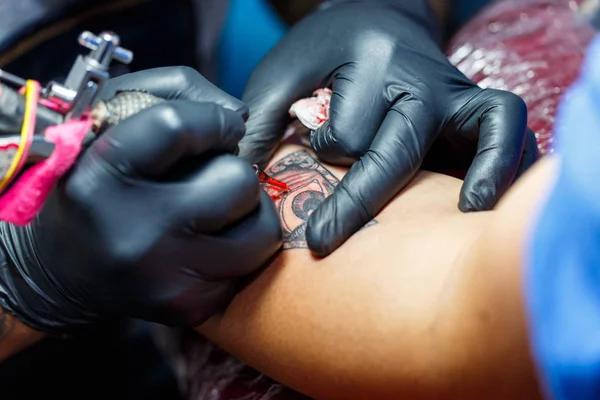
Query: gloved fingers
x=392 y=160
x=221 y=191
x=175 y=83
x=357 y=110
x=246 y=245
x=530 y=153
x=283 y=77
x=502 y=124
x=269 y=105
x=153 y=142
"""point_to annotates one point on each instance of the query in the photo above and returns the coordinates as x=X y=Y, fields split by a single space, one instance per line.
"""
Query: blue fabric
x=563 y=276
x=251 y=29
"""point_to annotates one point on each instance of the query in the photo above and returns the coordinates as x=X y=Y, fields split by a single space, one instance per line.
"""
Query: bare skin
x=15 y=336
x=425 y=303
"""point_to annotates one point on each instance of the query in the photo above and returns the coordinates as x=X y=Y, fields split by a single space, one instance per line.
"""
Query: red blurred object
x=272 y=183
x=533 y=48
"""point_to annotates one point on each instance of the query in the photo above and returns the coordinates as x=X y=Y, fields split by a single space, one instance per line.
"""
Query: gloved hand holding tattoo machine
x=80 y=102
x=157 y=219
x=33 y=157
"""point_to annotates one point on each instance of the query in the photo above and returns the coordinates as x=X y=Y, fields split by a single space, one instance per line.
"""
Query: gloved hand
x=394 y=95
x=158 y=219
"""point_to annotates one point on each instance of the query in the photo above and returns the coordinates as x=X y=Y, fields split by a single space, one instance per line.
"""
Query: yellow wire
x=32 y=91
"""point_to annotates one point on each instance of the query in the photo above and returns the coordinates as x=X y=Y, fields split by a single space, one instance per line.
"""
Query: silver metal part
x=95 y=43
x=88 y=74
x=61 y=95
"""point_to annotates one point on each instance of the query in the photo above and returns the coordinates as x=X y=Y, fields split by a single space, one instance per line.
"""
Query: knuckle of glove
x=184 y=77
x=506 y=100
x=335 y=148
x=241 y=108
x=198 y=88
x=350 y=148
x=78 y=191
x=229 y=121
x=170 y=117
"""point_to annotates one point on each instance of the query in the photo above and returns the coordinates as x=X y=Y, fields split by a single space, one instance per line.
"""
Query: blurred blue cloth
x=251 y=29
x=563 y=276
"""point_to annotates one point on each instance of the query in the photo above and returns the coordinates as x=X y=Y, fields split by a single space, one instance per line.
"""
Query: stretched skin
x=422 y=304
x=513 y=44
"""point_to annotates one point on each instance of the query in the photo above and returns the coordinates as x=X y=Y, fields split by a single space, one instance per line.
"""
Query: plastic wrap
x=204 y=372
x=531 y=47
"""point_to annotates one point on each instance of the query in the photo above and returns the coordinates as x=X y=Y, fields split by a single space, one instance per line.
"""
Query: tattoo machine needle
x=263 y=177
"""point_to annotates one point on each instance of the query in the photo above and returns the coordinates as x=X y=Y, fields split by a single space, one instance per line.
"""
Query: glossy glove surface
x=395 y=96
x=158 y=220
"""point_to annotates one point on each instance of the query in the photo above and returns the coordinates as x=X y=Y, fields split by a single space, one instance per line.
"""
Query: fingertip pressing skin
x=334 y=222
x=503 y=136
x=315 y=237
x=530 y=153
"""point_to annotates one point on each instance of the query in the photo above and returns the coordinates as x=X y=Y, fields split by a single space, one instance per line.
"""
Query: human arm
x=384 y=56
x=147 y=194
x=15 y=336
x=410 y=307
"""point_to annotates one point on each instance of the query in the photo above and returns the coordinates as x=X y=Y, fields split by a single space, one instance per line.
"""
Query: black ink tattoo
x=311 y=183
x=7 y=324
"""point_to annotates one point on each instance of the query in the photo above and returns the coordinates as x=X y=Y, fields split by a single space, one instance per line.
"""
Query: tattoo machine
x=311 y=113
x=42 y=130
x=272 y=183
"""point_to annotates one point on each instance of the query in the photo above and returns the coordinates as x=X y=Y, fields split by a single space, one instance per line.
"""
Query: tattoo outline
x=310 y=183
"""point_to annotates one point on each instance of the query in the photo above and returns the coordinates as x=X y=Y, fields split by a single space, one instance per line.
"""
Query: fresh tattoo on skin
x=310 y=183
x=7 y=324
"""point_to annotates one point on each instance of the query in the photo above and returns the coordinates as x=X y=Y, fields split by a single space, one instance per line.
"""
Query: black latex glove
x=394 y=94
x=158 y=219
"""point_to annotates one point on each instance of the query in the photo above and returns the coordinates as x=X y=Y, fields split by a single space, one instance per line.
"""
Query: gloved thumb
x=174 y=83
x=152 y=143
x=269 y=100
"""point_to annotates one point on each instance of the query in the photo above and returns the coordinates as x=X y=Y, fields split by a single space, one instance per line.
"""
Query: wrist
x=14 y=335
x=29 y=292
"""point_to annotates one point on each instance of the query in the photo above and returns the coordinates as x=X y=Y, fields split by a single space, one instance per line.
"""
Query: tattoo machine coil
x=42 y=129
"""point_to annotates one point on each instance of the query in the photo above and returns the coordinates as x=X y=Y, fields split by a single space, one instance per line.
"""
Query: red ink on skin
x=271 y=182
